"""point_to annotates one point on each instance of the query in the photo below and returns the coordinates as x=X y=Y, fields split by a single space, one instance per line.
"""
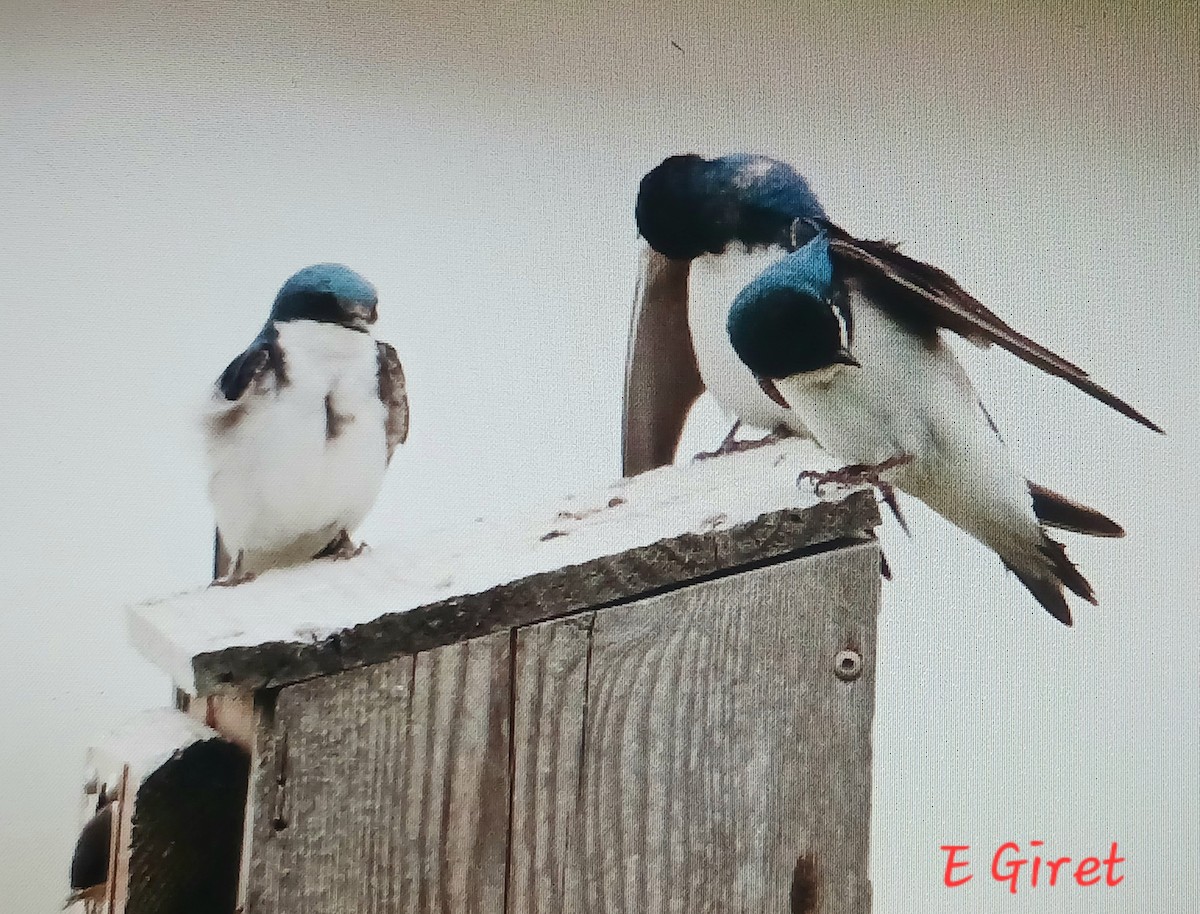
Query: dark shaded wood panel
x=186 y=832
x=724 y=756
x=169 y=836
x=662 y=379
x=385 y=789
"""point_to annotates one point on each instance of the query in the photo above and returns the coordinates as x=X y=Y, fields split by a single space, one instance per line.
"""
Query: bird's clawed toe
x=236 y=575
x=734 y=445
x=233 y=580
x=888 y=493
x=343 y=548
x=855 y=474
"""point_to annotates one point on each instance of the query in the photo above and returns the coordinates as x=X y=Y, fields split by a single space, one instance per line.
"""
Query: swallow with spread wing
x=791 y=316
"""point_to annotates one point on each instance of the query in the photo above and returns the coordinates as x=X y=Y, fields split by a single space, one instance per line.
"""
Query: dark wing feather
x=662 y=380
x=394 y=395
x=263 y=355
x=261 y=359
x=1056 y=510
x=222 y=560
x=89 y=863
x=927 y=298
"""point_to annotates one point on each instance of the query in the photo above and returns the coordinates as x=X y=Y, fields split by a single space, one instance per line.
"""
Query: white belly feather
x=282 y=487
x=714 y=281
x=911 y=397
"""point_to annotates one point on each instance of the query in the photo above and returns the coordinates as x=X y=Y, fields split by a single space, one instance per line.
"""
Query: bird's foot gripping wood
x=342 y=548
x=734 y=445
x=857 y=474
x=237 y=575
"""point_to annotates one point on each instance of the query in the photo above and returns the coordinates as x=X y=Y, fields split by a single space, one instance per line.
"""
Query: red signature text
x=1029 y=869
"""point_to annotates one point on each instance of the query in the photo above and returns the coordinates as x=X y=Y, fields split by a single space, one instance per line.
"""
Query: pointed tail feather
x=1048 y=592
x=1046 y=583
x=1056 y=510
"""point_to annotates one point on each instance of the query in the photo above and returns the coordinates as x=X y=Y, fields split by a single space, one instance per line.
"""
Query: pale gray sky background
x=163 y=167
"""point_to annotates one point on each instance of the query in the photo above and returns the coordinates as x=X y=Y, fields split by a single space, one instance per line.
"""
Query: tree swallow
x=89 y=862
x=302 y=426
x=846 y=334
x=712 y=225
x=709 y=229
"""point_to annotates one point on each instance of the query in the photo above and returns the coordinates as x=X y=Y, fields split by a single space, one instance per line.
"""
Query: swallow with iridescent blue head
x=302 y=426
x=795 y=320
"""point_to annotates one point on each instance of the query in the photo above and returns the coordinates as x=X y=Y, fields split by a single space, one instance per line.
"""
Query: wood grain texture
x=550 y=703
x=386 y=788
x=695 y=751
x=662 y=379
x=235 y=715
x=719 y=763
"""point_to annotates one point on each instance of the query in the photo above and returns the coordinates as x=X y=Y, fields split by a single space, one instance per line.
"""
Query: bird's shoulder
x=262 y=361
x=393 y=393
x=918 y=296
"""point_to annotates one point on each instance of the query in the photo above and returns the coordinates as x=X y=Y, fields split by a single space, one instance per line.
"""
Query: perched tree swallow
x=712 y=225
x=845 y=333
x=796 y=322
x=303 y=425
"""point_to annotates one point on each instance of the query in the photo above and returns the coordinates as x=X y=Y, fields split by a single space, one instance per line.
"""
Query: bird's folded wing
x=394 y=396
x=926 y=297
x=662 y=379
x=261 y=361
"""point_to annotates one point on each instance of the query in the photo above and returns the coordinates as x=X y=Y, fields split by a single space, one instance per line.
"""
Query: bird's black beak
x=769 y=388
x=804 y=227
x=844 y=357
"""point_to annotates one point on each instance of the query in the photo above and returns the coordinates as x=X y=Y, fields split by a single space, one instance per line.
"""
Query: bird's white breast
x=906 y=397
x=284 y=482
x=911 y=397
x=714 y=281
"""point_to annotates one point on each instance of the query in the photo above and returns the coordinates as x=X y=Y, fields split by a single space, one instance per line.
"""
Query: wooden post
x=658 y=698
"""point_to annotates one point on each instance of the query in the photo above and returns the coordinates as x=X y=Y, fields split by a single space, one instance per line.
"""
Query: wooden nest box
x=658 y=698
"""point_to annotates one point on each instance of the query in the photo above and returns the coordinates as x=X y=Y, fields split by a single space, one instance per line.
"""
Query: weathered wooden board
x=698 y=751
x=692 y=751
x=663 y=529
x=386 y=789
x=235 y=715
x=550 y=706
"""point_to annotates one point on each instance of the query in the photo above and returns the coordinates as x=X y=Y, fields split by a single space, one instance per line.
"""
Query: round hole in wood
x=848 y=665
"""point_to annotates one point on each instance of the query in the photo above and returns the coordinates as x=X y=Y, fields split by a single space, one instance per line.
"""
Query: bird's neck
x=716 y=279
